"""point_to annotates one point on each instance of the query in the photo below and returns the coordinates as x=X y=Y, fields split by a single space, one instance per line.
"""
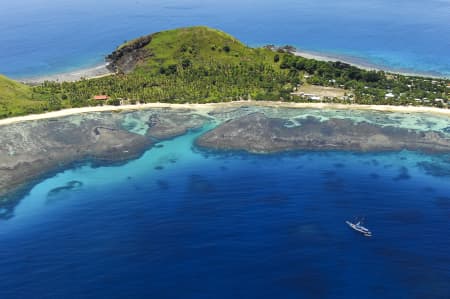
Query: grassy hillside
x=195 y=64
x=193 y=46
x=17 y=99
x=201 y=45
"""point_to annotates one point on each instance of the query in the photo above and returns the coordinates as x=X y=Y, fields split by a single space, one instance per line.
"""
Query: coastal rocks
x=258 y=133
x=126 y=57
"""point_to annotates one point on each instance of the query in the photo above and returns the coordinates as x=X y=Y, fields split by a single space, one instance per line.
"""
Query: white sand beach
x=102 y=70
x=205 y=108
x=87 y=73
x=358 y=62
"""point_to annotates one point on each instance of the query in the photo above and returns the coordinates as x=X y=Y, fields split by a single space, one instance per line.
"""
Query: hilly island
x=201 y=167
x=204 y=65
x=200 y=65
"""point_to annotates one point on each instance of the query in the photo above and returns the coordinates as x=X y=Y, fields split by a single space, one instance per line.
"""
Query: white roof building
x=314 y=98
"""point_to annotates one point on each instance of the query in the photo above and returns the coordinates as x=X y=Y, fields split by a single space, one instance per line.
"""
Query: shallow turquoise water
x=181 y=222
x=45 y=37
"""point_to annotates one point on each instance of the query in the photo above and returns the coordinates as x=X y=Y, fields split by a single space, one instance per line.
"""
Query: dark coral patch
x=163 y=185
x=69 y=186
x=200 y=184
x=435 y=169
x=72 y=185
x=403 y=174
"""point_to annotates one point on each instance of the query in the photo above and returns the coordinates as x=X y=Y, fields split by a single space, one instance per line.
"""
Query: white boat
x=359 y=228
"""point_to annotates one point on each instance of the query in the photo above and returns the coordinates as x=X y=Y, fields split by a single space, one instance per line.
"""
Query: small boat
x=359 y=228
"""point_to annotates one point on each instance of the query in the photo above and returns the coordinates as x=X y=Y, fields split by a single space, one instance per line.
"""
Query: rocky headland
x=125 y=58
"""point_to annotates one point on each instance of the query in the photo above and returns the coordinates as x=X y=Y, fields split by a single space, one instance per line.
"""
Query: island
x=205 y=65
x=252 y=99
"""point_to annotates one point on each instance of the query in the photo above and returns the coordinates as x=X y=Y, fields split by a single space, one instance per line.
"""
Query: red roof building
x=101 y=97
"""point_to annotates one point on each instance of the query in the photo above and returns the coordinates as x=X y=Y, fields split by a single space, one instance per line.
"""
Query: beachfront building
x=389 y=95
x=314 y=98
x=101 y=97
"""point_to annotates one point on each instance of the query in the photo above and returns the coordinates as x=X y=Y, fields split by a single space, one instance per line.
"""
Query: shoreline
x=205 y=108
x=101 y=70
x=96 y=71
x=363 y=64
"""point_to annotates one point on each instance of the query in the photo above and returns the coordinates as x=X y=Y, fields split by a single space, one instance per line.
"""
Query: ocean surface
x=50 y=36
x=182 y=222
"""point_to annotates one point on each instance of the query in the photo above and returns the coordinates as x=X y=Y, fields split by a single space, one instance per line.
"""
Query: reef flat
x=29 y=150
x=275 y=131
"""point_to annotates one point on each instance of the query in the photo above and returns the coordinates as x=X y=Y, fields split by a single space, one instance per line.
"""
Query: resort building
x=101 y=98
x=389 y=95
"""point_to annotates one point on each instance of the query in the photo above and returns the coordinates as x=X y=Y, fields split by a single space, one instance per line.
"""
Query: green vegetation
x=370 y=87
x=186 y=65
x=18 y=99
x=201 y=65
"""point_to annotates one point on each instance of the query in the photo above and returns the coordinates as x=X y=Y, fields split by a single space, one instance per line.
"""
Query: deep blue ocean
x=40 y=37
x=180 y=222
